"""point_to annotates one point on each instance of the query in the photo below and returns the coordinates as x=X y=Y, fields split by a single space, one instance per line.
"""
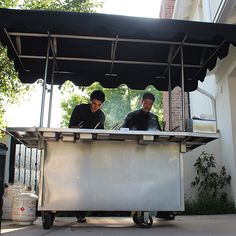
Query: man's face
x=147 y=105
x=95 y=105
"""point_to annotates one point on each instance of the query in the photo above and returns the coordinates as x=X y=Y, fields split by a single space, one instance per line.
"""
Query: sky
x=143 y=8
x=27 y=113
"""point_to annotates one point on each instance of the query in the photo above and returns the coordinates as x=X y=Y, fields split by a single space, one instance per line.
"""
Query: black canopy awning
x=112 y=49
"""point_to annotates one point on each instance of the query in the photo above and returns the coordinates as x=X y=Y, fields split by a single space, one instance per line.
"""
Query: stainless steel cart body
x=111 y=170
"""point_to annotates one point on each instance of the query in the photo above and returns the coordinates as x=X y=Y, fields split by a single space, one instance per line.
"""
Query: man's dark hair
x=148 y=95
x=97 y=94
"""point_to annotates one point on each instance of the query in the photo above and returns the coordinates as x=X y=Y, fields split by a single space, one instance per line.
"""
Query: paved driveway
x=214 y=225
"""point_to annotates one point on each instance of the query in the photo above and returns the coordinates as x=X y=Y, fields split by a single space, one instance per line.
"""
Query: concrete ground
x=183 y=225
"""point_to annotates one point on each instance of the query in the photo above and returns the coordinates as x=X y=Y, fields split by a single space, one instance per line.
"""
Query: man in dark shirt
x=143 y=119
x=88 y=116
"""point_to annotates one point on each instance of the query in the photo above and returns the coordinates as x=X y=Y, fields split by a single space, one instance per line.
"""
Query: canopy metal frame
x=52 y=38
x=112 y=50
x=134 y=51
x=51 y=45
x=114 y=41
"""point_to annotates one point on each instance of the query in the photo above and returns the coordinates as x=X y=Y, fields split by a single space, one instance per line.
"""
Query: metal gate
x=24 y=165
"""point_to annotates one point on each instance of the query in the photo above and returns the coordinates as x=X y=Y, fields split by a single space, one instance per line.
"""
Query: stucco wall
x=226 y=113
x=222 y=85
x=189 y=160
x=223 y=149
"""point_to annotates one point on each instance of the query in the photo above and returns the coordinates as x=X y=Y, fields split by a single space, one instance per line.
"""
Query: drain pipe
x=202 y=91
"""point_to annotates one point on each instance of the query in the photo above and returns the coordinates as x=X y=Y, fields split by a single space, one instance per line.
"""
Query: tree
x=9 y=3
x=64 y=5
x=10 y=86
x=11 y=89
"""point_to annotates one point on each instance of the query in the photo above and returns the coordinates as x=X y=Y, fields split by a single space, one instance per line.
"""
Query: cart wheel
x=47 y=219
x=145 y=224
x=140 y=221
x=167 y=215
x=135 y=218
x=170 y=217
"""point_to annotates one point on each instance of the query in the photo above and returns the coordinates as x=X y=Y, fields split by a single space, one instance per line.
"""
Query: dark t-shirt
x=84 y=118
x=140 y=120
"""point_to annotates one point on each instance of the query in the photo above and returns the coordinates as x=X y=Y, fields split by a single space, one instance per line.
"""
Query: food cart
x=111 y=170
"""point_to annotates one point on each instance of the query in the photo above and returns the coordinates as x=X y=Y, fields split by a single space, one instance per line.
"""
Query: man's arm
x=128 y=121
x=100 y=124
x=153 y=123
x=74 y=121
x=158 y=125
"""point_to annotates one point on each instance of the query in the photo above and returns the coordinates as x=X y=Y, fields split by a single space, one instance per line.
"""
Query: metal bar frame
x=25 y=166
x=182 y=89
x=112 y=61
x=108 y=61
x=14 y=49
x=113 y=53
x=19 y=164
x=170 y=98
x=180 y=48
x=44 y=83
x=51 y=96
x=30 y=169
x=41 y=179
x=52 y=83
x=175 y=54
x=112 y=39
x=36 y=170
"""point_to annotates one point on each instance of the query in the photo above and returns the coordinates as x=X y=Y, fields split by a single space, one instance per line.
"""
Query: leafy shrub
x=210 y=184
x=209 y=206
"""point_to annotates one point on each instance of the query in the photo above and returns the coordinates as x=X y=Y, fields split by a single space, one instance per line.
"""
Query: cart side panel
x=111 y=175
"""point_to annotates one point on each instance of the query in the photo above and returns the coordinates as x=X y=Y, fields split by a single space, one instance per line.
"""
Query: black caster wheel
x=170 y=217
x=139 y=220
x=47 y=219
x=166 y=215
x=147 y=224
x=135 y=218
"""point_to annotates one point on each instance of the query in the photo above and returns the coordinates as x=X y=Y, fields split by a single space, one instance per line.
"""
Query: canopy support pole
x=52 y=84
x=113 y=53
x=170 y=99
x=14 y=49
x=182 y=89
x=51 y=95
x=175 y=54
x=44 y=84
